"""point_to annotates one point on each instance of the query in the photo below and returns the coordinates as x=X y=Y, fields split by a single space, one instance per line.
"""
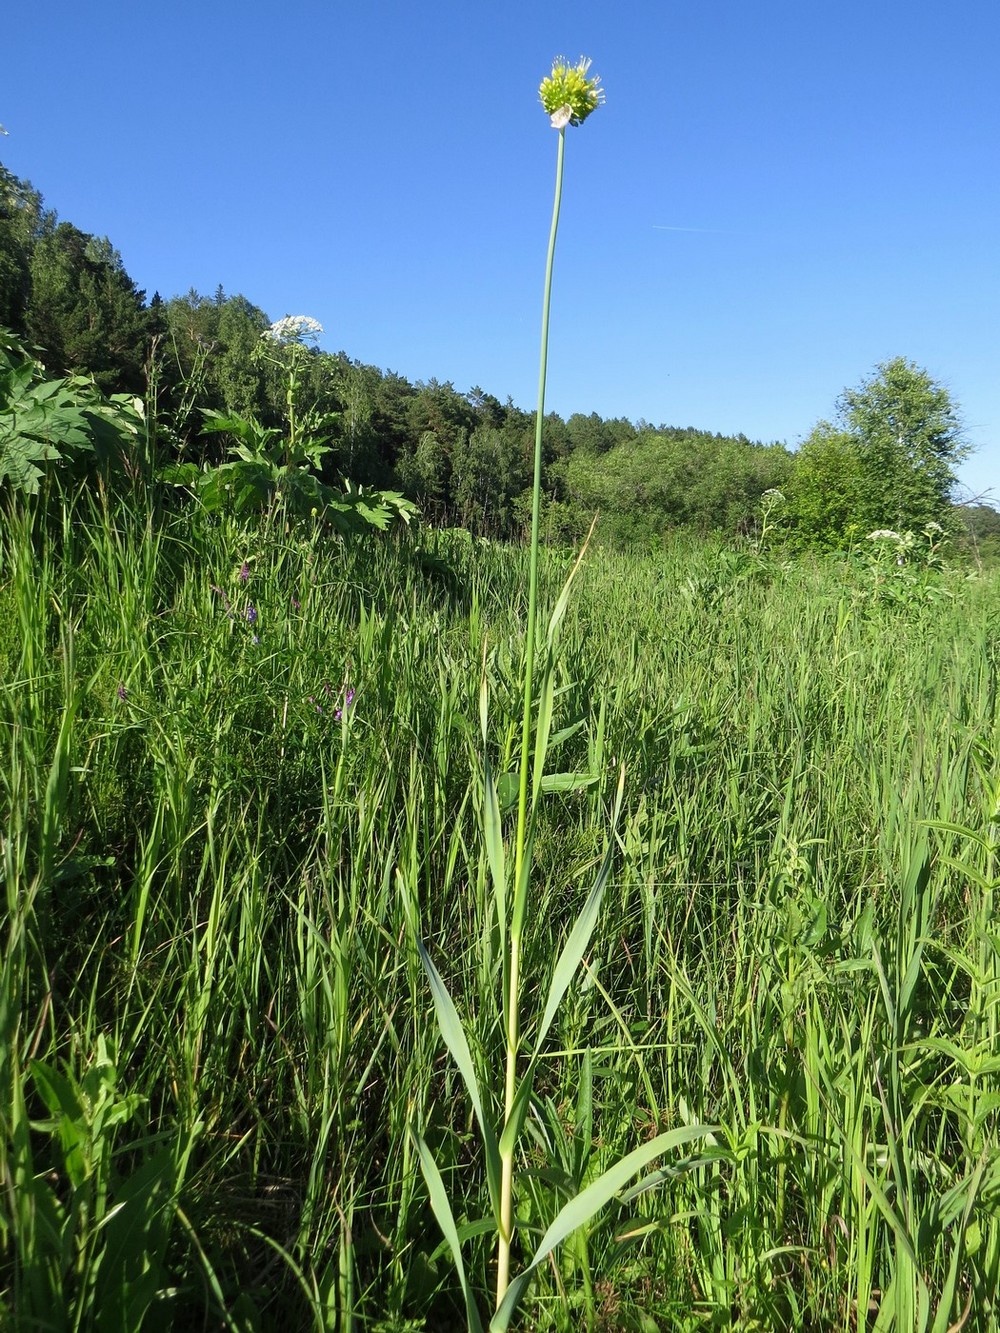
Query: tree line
x=886 y=461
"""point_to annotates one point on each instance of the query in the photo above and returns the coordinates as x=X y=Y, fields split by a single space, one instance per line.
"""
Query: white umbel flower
x=294 y=329
x=884 y=534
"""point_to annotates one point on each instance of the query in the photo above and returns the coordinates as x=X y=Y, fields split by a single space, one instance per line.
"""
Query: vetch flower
x=122 y=693
x=294 y=329
x=244 y=572
x=348 y=700
x=568 y=95
x=251 y=614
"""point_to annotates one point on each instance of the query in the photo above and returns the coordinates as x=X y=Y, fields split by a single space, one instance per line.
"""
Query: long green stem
x=520 y=877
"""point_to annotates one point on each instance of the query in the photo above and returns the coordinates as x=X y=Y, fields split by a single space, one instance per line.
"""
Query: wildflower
x=122 y=692
x=568 y=95
x=244 y=572
x=348 y=700
x=251 y=614
x=296 y=604
x=255 y=639
x=294 y=329
x=884 y=534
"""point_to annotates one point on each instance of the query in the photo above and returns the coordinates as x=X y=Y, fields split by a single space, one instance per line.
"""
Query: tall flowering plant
x=278 y=470
x=568 y=95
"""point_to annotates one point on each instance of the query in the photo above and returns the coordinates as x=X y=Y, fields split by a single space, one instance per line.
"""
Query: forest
x=887 y=461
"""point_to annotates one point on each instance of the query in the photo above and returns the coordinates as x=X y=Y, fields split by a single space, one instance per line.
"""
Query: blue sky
x=776 y=197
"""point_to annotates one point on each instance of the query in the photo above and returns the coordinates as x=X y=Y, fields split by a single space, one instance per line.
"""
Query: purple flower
x=122 y=692
x=252 y=614
x=296 y=604
x=244 y=572
x=348 y=700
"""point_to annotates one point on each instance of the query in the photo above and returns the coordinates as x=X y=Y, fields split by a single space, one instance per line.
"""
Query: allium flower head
x=568 y=95
x=294 y=329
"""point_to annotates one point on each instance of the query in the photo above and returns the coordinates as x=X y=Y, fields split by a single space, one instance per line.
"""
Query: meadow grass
x=217 y=1034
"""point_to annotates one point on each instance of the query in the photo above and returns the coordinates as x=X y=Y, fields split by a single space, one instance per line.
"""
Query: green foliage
x=267 y=475
x=94 y=1239
x=669 y=479
x=825 y=490
x=57 y=423
x=20 y=219
x=888 y=463
x=84 y=309
x=909 y=436
x=239 y=934
x=904 y=568
x=489 y=469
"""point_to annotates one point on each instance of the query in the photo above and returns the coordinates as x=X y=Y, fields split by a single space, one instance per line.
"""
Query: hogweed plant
x=569 y=95
x=287 y=345
x=279 y=470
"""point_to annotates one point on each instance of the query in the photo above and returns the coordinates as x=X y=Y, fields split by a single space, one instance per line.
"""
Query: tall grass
x=215 y=1025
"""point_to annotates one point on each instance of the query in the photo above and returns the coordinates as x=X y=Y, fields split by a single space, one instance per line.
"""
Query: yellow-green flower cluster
x=568 y=95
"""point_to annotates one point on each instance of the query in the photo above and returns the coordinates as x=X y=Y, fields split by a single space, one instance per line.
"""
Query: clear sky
x=777 y=195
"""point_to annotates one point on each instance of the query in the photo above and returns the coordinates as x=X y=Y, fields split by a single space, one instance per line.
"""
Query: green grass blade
x=455 y=1039
x=579 y=937
x=446 y=1221
x=493 y=836
x=591 y=1200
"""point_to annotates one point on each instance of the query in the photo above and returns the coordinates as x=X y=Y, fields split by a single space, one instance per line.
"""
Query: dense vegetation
x=261 y=736
x=887 y=461
x=243 y=768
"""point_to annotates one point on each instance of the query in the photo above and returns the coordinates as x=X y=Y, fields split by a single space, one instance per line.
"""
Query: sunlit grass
x=213 y=1014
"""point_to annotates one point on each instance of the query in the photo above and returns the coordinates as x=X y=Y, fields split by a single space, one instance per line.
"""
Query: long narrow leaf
x=582 y=1208
x=493 y=837
x=579 y=937
x=454 y=1038
x=442 y=1211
